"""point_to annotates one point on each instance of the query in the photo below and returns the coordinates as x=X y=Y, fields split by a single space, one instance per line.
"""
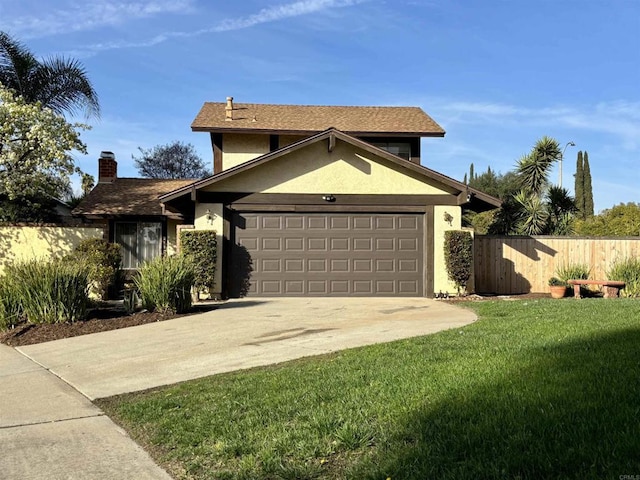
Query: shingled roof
x=308 y=119
x=127 y=196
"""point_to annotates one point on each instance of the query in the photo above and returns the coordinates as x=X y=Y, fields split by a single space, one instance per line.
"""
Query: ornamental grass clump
x=10 y=307
x=573 y=271
x=50 y=291
x=627 y=270
x=165 y=284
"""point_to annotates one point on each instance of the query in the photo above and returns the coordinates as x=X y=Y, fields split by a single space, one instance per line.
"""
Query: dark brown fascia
x=258 y=131
x=419 y=169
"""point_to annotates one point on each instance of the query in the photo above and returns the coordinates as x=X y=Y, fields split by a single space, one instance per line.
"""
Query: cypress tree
x=471 y=177
x=588 y=188
x=465 y=179
x=579 y=186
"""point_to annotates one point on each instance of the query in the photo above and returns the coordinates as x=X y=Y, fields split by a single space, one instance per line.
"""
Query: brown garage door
x=327 y=254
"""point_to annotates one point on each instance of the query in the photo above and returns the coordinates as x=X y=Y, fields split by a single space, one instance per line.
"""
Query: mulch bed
x=99 y=320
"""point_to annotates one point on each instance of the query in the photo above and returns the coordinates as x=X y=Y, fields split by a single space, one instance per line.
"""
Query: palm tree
x=535 y=167
x=542 y=209
x=60 y=84
x=538 y=208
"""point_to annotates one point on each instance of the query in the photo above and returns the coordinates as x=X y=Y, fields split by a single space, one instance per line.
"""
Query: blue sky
x=497 y=75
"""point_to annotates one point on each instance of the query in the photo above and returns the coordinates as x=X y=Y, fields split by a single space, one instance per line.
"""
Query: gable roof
x=331 y=134
x=127 y=196
x=308 y=119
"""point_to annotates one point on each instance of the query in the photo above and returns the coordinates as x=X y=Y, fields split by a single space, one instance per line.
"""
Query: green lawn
x=535 y=389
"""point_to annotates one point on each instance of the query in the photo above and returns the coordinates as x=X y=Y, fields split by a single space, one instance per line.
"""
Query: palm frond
x=16 y=64
x=535 y=216
x=65 y=87
x=535 y=167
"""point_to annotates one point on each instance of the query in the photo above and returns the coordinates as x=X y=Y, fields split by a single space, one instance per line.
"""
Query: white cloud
x=618 y=118
x=82 y=16
x=280 y=12
x=266 y=15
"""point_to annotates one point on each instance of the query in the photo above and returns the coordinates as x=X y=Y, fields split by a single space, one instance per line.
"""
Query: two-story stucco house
x=306 y=200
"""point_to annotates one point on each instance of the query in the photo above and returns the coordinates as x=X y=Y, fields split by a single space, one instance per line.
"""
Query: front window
x=139 y=242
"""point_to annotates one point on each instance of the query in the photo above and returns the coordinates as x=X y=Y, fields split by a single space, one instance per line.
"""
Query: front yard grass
x=534 y=389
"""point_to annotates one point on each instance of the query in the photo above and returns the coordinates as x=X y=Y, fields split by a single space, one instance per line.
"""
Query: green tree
x=58 y=83
x=173 y=160
x=496 y=184
x=537 y=208
x=588 y=188
x=502 y=186
x=535 y=167
x=619 y=221
x=471 y=173
x=35 y=146
x=579 y=185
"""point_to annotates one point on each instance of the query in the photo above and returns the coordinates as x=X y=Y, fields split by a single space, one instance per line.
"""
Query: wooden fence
x=522 y=264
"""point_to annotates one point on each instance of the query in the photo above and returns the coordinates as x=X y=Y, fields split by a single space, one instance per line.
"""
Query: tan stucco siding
x=19 y=243
x=172 y=238
x=441 y=282
x=346 y=170
x=213 y=220
x=239 y=148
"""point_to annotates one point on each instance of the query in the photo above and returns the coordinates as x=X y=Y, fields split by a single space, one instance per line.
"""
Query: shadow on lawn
x=579 y=417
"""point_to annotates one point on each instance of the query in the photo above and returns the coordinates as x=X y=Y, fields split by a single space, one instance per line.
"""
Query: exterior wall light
x=329 y=198
x=210 y=216
x=448 y=218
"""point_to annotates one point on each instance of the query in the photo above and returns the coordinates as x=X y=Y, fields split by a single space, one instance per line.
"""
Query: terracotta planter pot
x=558 y=291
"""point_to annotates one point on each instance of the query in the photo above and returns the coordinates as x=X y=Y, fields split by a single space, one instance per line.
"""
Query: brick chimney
x=107 y=167
x=228 y=110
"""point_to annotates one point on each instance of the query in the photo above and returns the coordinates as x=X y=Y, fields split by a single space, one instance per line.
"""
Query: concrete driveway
x=237 y=335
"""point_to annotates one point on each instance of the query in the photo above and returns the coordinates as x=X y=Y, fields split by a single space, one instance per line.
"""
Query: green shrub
x=627 y=270
x=10 y=307
x=165 y=284
x=556 y=282
x=201 y=246
x=103 y=261
x=50 y=291
x=458 y=256
x=573 y=271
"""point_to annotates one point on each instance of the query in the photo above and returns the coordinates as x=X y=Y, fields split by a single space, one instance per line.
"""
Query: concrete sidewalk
x=50 y=431
x=239 y=334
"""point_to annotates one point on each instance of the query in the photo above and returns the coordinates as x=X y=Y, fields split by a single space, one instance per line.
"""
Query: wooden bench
x=611 y=287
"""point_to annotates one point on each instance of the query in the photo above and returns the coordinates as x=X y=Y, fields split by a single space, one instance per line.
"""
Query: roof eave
x=271 y=131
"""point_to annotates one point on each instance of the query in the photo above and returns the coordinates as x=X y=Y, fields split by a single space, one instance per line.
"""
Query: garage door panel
x=272 y=244
x=294 y=221
x=362 y=244
x=296 y=243
x=271 y=223
x=317 y=222
x=340 y=244
x=328 y=254
x=385 y=223
x=340 y=265
x=339 y=223
x=408 y=287
x=362 y=222
x=317 y=244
